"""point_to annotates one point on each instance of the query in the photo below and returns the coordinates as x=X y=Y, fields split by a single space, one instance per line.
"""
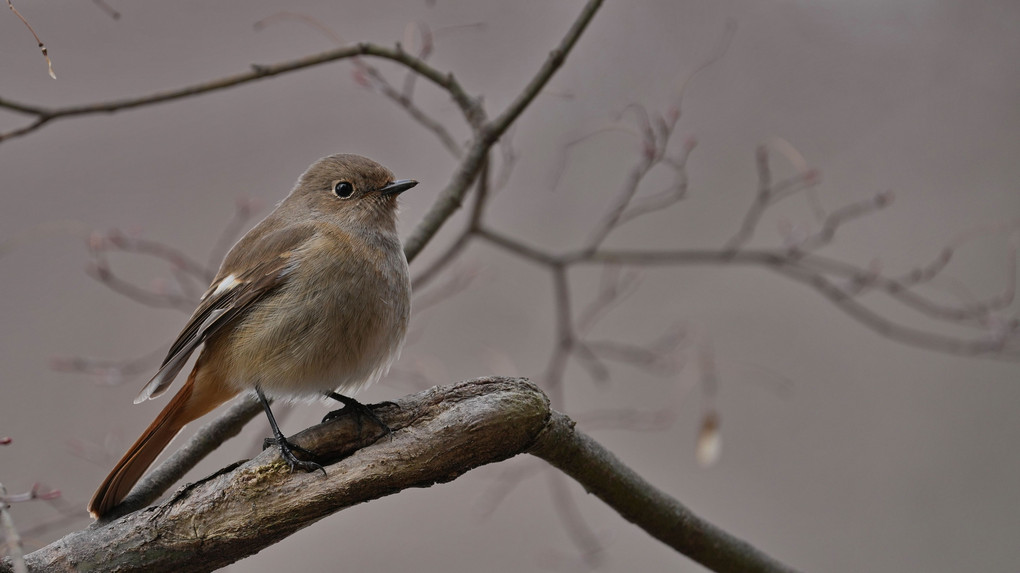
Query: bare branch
x=761 y=201
x=638 y=501
x=614 y=288
x=442 y=261
x=37 y=492
x=414 y=111
x=454 y=285
x=768 y=195
x=675 y=192
x=455 y=248
x=453 y=429
x=450 y=199
x=508 y=478
x=105 y=276
x=111 y=372
x=244 y=210
x=580 y=533
x=624 y=196
x=556 y=58
x=591 y=362
x=929 y=271
x=42 y=47
x=995 y=345
x=11 y=536
x=202 y=511
x=303 y=18
x=109 y=10
x=860 y=281
x=518 y=248
x=1000 y=344
x=843 y=215
x=205 y=441
x=99 y=243
x=720 y=50
x=258 y=72
x=656 y=133
x=657 y=360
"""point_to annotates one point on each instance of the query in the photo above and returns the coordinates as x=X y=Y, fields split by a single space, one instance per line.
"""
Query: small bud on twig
x=42 y=47
x=709 y=440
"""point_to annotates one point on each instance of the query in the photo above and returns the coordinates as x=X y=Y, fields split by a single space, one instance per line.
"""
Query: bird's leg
x=352 y=406
x=286 y=448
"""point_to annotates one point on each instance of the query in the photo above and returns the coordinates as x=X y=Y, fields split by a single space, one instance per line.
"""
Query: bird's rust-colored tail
x=186 y=406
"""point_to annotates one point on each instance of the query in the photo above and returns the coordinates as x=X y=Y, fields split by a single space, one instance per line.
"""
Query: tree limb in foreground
x=437 y=435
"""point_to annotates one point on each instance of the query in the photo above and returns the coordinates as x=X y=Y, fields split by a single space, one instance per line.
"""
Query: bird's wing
x=241 y=282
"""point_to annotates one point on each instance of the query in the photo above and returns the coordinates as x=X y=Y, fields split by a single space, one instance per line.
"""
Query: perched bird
x=314 y=300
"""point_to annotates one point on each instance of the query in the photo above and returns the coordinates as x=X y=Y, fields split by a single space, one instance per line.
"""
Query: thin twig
x=42 y=47
x=456 y=284
x=761 y=201
x=443 y=80
x=729 y=31
x=462 y=240
x=366 y=71
x=139 y=245
x=450 y=199
x=111 y=372
x=581 y=534
x=615 y=287
x=10 y=533
x=244 y=209
x=991 y=347
x=110 y=11
x=105 y=276
x=843 y=215
x=556 y=58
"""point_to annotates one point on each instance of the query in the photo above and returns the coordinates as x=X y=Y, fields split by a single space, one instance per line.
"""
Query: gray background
x=843 y=451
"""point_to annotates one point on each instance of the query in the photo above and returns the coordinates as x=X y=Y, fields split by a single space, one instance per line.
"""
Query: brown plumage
x=314 y=299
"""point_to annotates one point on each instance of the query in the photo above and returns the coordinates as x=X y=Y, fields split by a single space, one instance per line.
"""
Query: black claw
x=287 y=449
x=293 y=447
x=293 y=462
x=352 y=406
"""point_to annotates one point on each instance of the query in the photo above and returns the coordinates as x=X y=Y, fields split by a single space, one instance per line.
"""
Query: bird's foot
x=355 y=408
x=287 y=450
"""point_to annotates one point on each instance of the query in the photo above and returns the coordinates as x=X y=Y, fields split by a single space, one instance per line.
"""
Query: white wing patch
x=228 y=282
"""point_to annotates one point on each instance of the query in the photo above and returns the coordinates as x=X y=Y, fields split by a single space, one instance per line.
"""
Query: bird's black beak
x=398 y=187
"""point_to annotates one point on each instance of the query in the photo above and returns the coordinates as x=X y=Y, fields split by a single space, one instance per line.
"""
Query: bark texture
x=437 y=435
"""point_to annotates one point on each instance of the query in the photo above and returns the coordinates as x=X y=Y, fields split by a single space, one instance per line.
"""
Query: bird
x=313 y=301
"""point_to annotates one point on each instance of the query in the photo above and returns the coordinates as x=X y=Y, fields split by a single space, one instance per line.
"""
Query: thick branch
x=437 y=435
x=206 y=440
x=666 y=519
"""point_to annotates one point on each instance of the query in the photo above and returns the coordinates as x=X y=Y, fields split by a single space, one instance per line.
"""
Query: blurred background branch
x=901 y=306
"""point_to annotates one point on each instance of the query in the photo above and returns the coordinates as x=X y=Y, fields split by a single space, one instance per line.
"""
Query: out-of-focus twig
x=109 y=10
x=42 y=47
x=10 y=533
x=244 y=209
x=370 y=76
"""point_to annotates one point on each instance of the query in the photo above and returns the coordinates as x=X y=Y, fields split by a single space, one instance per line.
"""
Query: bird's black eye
x=343 y=189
